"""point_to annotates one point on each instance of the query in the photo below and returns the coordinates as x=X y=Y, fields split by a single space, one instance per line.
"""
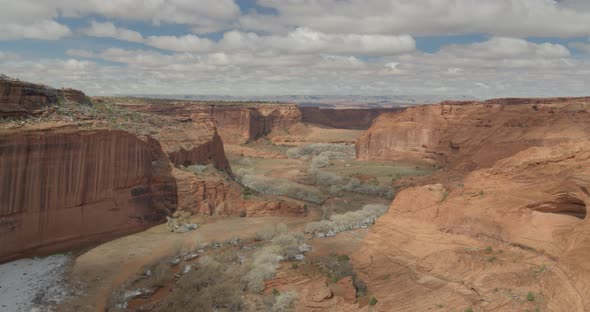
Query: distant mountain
x=323 y=100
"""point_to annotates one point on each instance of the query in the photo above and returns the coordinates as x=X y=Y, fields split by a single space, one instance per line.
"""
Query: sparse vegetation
x=491 y=258
x=530 y=296
x=285 y=302
x=267 y=259
x=266 y=233
x=316 y=149
x=373 y=301
x=282 y=187
x=212 y=284
x=347 y=221
x=470 y=309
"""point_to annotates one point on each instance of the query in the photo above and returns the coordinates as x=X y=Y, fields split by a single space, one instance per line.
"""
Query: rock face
x=343 y=118
x=241 y=124
x=469 y=135
x=220 y=195
x=64 y=186
x=74 y=95
x=193 y=140
x=516 y=221
x=236 y=122
x=19 y=98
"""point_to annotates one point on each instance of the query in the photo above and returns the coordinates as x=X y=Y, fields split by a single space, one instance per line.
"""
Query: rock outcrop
x=360 y=119
x=511 y=234
x=64 y=186
x=19 y=98
x=236 y=122
x=470 y=135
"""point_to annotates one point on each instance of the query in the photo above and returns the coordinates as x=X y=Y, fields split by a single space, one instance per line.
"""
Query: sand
x=33 y=284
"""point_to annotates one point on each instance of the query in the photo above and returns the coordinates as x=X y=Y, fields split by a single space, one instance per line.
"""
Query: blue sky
x=257 y=47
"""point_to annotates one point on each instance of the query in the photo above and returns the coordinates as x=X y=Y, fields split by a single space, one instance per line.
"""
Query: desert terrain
x=138 y=204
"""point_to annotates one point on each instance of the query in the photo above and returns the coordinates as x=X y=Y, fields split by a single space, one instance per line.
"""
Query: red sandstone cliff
x=469 y=135
x=343 y=118
x=65 y=186
x=515 y=222
x=19 y=98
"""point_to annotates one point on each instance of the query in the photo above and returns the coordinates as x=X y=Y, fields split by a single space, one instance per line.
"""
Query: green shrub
x=530 y=296
x=373 y=301
x=342 y=258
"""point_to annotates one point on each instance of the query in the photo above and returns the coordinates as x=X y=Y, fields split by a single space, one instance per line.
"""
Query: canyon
x=502 y=226
x=487 y=200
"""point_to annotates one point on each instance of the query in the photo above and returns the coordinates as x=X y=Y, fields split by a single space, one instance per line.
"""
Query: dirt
x=109 y=265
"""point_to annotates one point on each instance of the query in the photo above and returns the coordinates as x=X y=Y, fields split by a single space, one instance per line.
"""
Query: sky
x=480 y=48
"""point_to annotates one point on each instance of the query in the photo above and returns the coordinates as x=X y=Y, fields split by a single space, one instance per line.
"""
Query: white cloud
x=507 y=48
x=511 y=18
x=187 y=43
x=107 y=29
x=495 y=68
x=41 y=30
x=35 y=19
x=305 y=40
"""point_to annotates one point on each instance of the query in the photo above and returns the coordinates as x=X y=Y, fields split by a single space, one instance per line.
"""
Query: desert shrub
x=318 y=148
x=338 y=266
x=348 y=221
x=373 y=301
x=530 y=296
x=326 y=178
x=320 y=162
x=266 y=233
x=212 y=284
x=263 y=267
x=282 y=187
x=282 y=228
x=338 y=183
x=287 y=244
x=241 y=172
x=196 y=169
x=285 y=302
x=354 y=185
x=266 y=260
x=161 y=274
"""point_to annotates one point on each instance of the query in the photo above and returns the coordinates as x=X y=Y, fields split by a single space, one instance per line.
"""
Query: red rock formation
x=193 y=140
x=469 y=135
x=18 y=98
x=74 y=95
x=343 y=118
x=235 y=122
x=515 y=222
x=219 y=195
x=64 y=186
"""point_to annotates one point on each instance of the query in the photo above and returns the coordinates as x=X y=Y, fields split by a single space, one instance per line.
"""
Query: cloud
x=506 y=48
x=512 y=18
x=238 y=66
x=41 y=30
x=107 y=29
x=187 y=43
x=33 y=19
x=304 y=40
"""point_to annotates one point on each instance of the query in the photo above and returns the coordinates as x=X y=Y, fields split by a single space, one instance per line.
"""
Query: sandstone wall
x=513 y=220
x=470 y=135
x=343 y=118
x=63 y=187
x=18 y=98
